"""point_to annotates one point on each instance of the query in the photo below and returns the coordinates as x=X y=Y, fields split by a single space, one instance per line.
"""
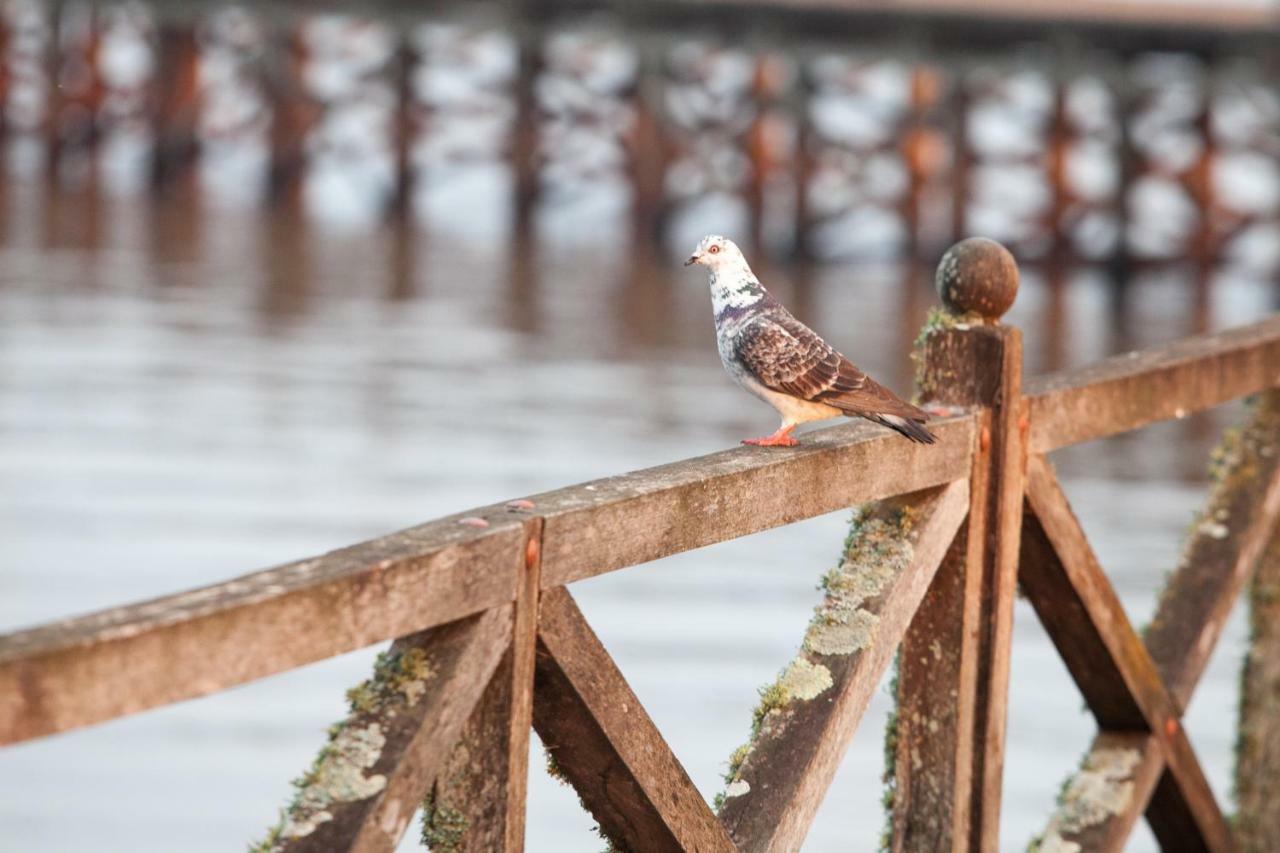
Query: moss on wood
x=339 y=771
x=938 y=320
x=1257 y=749
x=889 y=796
x=444 y=827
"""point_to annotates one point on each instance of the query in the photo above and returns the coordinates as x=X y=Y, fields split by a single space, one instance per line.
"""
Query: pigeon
x=785 y=363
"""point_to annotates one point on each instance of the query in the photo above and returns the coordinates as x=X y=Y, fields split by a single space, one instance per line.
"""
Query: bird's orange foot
x=781 y=438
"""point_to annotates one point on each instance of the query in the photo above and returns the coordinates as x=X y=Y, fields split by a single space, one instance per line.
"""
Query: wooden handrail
x=60 y=675
x=66 y=674
x=1136 y=389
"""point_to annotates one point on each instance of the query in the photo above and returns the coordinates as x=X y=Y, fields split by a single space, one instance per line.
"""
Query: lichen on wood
x=876 y=550
x=1233 y=462
x=1101 y=789
x=339 y=772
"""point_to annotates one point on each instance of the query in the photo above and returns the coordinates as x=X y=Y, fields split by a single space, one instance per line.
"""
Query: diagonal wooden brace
x=822 y=695
x=476 y=803
x=604 y=743
x=1079 y=608
x=369 y=780
x=1217 y=559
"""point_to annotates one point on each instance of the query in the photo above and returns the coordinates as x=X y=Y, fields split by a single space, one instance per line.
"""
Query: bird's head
x=718 y=253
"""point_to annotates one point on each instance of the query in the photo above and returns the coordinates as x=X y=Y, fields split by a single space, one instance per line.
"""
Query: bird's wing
x=787 y=356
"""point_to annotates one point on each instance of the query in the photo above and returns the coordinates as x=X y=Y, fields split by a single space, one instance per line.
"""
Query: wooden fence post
x=954 y=665
x=477 y=801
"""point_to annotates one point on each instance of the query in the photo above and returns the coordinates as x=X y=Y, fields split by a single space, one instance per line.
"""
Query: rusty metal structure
x=489 y=643
x=1095 y=132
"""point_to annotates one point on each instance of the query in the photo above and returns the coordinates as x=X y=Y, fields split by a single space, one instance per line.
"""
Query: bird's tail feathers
x=910 y=428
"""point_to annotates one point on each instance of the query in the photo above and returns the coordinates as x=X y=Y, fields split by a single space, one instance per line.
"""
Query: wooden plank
x=599 y=738
x=79 y=671
x=935 y=719
x=524 y=646
x=1083 y=615
x=650 y=514
x=69 y=673
x=1183 y=813
x=979 y=365
x=807 y=719
x=933 y=722
x=477 y=801
x=1141 y=388
x=1258 y=751
x=1000 y=589
x=1214 y=561
x=366 y=784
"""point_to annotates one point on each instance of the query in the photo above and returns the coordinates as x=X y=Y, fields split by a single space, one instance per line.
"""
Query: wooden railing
x=491 y=643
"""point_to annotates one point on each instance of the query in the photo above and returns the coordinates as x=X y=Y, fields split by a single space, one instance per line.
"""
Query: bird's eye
x=715 y=250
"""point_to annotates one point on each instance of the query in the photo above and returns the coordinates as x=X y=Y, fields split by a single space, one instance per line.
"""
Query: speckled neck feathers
x=735 y=289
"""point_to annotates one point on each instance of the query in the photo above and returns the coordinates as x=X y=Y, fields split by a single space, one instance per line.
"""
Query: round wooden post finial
x=977 y=276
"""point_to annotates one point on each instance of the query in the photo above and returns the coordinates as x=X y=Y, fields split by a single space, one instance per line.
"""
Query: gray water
x=186 y=397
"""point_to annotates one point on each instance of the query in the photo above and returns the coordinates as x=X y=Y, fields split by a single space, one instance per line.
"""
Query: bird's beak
x=693 y=259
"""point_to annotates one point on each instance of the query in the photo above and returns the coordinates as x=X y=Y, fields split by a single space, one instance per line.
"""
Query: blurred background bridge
x=1092 y=132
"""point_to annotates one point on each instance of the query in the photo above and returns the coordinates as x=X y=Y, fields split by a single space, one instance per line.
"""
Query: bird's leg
x=781 y=438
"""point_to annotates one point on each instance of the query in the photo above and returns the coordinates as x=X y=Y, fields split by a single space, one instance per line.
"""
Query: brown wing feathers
x=787 y=356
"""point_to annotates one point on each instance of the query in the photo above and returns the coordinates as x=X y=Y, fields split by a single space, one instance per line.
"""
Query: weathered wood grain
x=621 y=521
x=937 y=687
x=524 y=648
x=73 y=672
x=394 y=743
x=603 y=743
x=1000 y=589
x=820 y=698
x=977 y=365
x=477 y=801
x=1084 y=618
x=933 y=721
x=1140 y=388
x=1258 y=751
x=1216 y=559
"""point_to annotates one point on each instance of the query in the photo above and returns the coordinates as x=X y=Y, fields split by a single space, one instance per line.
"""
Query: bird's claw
x=772 y=441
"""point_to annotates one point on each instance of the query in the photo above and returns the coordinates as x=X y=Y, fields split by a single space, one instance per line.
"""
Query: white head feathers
x=733 y=284
x=720 y=254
